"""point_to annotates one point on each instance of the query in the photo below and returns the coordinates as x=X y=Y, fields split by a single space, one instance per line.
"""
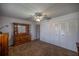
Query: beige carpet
x=39 y=48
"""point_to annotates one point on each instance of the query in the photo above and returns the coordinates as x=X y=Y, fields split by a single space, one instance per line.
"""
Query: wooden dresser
x=22 y=38
x=3 y=44
x=21 y=33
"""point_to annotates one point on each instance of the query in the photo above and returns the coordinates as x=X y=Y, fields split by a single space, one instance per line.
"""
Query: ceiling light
x=39 y=16
x=38 y=20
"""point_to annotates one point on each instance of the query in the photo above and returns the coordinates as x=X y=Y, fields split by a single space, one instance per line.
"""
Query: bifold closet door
x=64 y=31
x=55 y=33
x=67 y=35
x=59 y=34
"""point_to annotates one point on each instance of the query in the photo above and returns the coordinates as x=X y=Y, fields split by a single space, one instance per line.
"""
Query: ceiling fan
x=38 y=16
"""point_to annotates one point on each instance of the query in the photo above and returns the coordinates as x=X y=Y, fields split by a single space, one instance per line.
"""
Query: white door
x=63 y=34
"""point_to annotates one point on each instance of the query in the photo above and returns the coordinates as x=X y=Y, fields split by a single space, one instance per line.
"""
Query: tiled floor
x=39 y=48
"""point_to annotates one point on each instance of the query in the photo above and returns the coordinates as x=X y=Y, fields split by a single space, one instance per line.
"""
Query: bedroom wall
x=0 y=20
x=8 y=21
x=61 y=31
x=78 y=31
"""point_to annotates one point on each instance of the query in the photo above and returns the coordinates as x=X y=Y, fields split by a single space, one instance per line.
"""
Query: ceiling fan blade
x=47 y=17
x=31 y=17
x=38 y=14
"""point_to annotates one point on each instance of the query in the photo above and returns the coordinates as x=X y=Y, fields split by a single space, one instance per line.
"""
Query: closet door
x=59 y=33
x=55 y=34
x=63 y=34
x=67 y=37
x=38 y=32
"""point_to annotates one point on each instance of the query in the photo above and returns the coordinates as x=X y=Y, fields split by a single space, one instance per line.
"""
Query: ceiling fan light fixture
x=38 y=20
x=39 y=16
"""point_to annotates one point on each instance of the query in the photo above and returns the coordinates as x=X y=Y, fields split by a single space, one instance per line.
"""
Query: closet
x=60 y=33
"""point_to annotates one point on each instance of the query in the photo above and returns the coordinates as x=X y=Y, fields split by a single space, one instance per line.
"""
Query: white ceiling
x=26 y=10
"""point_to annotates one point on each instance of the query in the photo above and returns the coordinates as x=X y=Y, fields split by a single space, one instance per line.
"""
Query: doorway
x=38 y=32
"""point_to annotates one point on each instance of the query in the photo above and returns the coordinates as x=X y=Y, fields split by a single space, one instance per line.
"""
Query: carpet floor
x=39 y=48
